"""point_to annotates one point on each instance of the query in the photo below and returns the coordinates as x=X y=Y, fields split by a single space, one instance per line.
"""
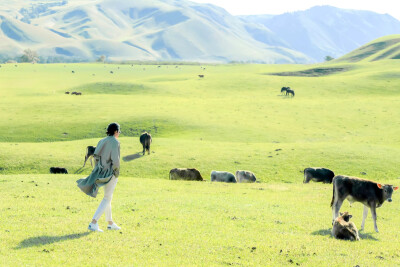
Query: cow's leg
x=91 y=163
x=373 y=212
x=148 y=150
x=365 y=213
x=336 y=207
x=144 y=149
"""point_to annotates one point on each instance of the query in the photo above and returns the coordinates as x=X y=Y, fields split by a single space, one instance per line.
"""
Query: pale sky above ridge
x=274 y=7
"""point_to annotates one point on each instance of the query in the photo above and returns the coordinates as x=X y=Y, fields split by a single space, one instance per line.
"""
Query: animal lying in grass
x=344 y=229
x=318 y=175
x=56 y=170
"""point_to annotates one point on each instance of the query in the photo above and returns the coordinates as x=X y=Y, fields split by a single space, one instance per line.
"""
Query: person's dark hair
x=112 y=127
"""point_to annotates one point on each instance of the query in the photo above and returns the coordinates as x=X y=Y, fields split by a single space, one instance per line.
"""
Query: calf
x=344 y=229
x=226 y=177
x=369 y=193
x=89 y=154
x=185 y=174
x=318 y=175
x=58 y=170
x=245 y=177
x=145 y=140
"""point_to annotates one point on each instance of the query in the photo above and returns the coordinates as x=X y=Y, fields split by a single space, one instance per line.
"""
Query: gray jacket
x=107 y=158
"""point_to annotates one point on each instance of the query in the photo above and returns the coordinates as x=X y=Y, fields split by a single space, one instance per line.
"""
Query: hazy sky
x=247 y=7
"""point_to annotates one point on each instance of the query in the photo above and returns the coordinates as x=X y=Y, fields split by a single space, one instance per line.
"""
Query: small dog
x=344 y=229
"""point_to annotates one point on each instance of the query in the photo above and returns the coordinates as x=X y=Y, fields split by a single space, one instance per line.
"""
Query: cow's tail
x=333 y=194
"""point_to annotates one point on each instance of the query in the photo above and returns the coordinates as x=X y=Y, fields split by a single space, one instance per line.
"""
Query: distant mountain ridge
x=180 y=30
x=327 y=31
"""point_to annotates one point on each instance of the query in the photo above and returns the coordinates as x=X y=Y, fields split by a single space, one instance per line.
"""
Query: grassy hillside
x=233 y=118
x=387 y=47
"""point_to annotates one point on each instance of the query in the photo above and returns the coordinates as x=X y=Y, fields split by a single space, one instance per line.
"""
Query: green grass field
x=233 y=118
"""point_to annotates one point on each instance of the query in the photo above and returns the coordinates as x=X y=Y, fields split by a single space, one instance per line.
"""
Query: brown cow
x=344 y=229
x=369 y=193
x=185 y=174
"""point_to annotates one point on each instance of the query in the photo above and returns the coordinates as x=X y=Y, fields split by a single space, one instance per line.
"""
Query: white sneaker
x=113 y=226
x=94 y=227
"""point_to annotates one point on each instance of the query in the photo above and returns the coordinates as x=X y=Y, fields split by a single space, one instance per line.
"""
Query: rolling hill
x=139 y=30
x=387 y=47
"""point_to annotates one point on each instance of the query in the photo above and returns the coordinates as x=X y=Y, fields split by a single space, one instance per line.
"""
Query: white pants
x=105 y=204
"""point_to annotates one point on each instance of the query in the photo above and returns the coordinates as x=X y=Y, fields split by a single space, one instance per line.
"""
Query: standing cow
x=89 y=154
x=185 y=174
x=354 y=189
x=245 y=177
x=226 y=177
x=145 y=140
x=318 y=175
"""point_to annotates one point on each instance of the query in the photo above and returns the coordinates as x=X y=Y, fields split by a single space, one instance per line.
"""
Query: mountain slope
x=140 y=30
x=387 y=47
x=327 y=31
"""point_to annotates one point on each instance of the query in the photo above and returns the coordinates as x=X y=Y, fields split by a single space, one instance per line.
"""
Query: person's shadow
x=45 y=240
x=133 y=157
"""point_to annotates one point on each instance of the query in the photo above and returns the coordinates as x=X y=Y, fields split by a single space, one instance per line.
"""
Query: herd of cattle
x=371 y=194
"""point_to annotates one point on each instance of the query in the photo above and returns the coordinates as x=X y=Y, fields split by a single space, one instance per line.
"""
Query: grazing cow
x=201 y=75
x=290 y=92
x=344 y=229
x=226 y=177
x=318 y=175
x=111 y=72
x=284 y=89
x=73 y=71
x=145 y=140
x=369 y=193
x=73 y=93
x=89 y=154
x=67 y=93
x=245 y=177
x=78 y=93
x=185 y=174
x=58 y=170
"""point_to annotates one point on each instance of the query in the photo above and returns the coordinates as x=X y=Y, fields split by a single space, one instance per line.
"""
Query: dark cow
x=185 y=174
x=354 y=189
x=284 y=89
x=89 y=154
x=344 y=229
x=145 y=140
x=201 y=75
x=245 y=177
x=226 y=177
x=290 y=92
x=58 y=170
x=318 y=175
x=67 y=93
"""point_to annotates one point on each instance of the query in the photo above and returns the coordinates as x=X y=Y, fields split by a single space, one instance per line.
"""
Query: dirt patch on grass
x=315 y=72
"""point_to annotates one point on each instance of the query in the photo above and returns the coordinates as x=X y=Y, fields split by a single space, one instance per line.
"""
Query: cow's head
x=346 y=216
x=387 y=191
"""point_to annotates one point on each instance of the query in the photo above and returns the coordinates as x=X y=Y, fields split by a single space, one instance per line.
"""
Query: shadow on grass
x=133 y=157
x=79 y=171
x=45 y=240
x=328 y=232
x=323 y=232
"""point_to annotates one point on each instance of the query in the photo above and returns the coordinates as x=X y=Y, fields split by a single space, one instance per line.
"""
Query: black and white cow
x=354 y=189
